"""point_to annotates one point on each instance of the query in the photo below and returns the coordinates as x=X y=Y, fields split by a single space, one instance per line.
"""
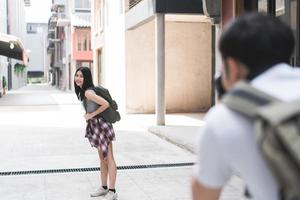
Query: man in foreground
x=255 y=48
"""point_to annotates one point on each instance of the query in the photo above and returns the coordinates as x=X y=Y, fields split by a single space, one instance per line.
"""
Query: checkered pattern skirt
x=100 y=133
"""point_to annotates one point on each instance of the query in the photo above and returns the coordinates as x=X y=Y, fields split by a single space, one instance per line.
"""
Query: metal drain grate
x=92 y=169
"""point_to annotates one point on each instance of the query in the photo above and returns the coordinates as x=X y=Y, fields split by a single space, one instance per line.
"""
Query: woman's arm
x=92 y=96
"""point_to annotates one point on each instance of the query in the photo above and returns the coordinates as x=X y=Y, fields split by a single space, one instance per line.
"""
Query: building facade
x=187 y=38
x=59 y=51
x=81 y=45
x=16 y=26
x=36 y=34
x=82 y=54
x=222 y=11
x=108 y=44
x=3 y=59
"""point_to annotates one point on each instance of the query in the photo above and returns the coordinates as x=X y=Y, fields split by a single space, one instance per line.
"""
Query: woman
x=99 y=132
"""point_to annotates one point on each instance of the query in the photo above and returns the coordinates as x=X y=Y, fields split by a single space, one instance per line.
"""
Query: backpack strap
x=103 y=92
x=278 y=112
x=246 y=99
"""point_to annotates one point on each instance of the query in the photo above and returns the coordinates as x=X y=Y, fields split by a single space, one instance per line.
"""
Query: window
x=31 y=28
x=78 y=42
x=90 y=44
x=84 y=41
x=99 y=16
x=82 y=4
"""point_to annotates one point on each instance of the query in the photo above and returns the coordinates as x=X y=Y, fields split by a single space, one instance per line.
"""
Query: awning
x=12 y=47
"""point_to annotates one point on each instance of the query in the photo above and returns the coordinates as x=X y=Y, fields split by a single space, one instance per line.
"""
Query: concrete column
x=160 y=105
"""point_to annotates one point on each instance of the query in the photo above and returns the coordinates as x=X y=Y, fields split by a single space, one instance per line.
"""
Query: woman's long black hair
x=87 y=82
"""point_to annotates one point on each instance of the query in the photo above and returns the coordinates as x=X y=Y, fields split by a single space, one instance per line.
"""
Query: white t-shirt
x=226 y=145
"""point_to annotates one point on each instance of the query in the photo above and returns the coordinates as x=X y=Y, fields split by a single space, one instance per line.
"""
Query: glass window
x=31 y=28
x=85 y=64
x=78 y=42
x=90 y=44
x=84 y=42
x=82 y=4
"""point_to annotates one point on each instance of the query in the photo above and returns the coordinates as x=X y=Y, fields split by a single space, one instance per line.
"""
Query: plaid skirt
x=100 y=133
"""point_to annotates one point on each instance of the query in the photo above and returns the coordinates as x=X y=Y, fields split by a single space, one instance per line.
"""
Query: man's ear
x=234 y=73
x=233 y=69
x=239 y=71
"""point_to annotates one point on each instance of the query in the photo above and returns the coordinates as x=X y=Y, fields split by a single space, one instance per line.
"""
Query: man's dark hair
x=87 y=82
x=258 y=41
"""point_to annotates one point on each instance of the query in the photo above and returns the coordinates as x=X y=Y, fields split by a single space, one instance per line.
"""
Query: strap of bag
x=103 y=92
x=246 y=99
x=278 y=112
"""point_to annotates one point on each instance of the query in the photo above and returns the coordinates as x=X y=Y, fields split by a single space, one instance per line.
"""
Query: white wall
x=37 y=45
x=187 y=65
x=68 y=44
x=3 y=29
x=114 y=51
x=3 y=16
x=16 y=18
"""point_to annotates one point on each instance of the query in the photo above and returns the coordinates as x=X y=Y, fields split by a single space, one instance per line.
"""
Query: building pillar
x=160 y=105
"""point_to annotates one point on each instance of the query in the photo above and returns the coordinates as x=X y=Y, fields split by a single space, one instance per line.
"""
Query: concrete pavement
x=42 y=128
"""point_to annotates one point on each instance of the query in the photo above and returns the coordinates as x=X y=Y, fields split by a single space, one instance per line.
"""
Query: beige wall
x=139 y=50
x=188 y=67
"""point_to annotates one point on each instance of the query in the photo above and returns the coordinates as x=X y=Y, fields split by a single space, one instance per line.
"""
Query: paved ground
x=42 y=128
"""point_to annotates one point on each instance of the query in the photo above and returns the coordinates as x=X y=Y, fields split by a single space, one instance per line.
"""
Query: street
x=42 y=130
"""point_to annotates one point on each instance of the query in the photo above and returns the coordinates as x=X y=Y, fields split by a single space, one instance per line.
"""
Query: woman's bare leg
x=104 y=169
x=112 y=168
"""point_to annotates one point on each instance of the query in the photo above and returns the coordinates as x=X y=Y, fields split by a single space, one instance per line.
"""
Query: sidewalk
x=43 y=129
x=182 y=130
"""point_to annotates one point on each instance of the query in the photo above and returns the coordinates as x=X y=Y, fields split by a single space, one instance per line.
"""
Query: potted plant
x=4 y=84
x=19 y=69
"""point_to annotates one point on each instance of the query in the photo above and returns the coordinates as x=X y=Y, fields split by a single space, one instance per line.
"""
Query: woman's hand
x=88 y=116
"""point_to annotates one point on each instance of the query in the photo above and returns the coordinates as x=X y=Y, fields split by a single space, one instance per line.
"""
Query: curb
x=155 y=130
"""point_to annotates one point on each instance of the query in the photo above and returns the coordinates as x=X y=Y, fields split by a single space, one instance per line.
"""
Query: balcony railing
x=133 y=3
x=59 y=8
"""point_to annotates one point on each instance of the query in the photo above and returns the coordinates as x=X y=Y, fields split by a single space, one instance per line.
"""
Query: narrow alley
x=42 y=141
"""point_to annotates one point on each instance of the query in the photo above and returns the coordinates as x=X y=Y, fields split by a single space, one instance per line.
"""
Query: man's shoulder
x=221 y=120
x=220 y=112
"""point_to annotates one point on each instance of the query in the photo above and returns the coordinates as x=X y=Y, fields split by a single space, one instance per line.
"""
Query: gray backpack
x=277 y=131
x=111 y=114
